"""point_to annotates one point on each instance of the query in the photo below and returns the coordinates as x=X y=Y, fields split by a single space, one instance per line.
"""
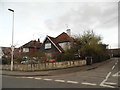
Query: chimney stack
x=38 y=40
x=68 y=32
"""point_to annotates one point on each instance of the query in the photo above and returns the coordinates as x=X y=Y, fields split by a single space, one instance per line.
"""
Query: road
x=105 y=76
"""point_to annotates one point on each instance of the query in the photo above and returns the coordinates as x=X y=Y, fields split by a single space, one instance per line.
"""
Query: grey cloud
x=85 y=15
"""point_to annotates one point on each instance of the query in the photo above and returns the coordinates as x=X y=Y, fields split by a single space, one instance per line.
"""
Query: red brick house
x=114 y=52
x=53 y=46
x=32 y=46
x=27 y=49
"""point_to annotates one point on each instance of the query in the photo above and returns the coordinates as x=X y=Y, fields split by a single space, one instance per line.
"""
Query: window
x=47 y=45
x=65 y=45
x=25 y=49
x=20 y=50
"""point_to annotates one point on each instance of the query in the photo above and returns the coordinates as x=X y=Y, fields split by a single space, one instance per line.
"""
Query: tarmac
x=54 y=72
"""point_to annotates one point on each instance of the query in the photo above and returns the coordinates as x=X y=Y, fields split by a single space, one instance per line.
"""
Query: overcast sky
x=35 y=20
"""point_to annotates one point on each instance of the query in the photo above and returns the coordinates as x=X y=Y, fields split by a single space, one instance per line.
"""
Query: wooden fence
x=45 y=66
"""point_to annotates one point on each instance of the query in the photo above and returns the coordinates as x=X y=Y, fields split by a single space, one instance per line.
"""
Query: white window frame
x=25 y=49
x=47 y=45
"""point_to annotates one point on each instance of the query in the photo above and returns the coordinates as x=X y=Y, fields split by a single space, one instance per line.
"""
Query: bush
x=65 y=57
x=100 y=58
x=5 y=61
x=116 y=55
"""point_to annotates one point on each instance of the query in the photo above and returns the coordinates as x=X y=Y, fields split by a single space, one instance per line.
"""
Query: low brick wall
x=45 y=66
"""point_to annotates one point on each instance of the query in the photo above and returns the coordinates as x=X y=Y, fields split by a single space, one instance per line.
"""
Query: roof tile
x=63 y=37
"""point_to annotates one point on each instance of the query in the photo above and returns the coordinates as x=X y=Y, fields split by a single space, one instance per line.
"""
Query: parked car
x=50 y=60
x=29 y=62
x=24 y=62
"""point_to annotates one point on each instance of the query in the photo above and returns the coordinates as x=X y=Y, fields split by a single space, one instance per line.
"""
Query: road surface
x=105 y=76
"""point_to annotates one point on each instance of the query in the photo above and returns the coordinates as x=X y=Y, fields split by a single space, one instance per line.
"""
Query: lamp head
x=11 y=10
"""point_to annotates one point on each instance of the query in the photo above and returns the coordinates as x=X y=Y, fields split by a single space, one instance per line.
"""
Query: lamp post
x=12 y=47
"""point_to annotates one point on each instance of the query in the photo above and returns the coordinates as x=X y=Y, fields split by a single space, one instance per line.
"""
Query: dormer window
x=25 y=49
x=47 y=45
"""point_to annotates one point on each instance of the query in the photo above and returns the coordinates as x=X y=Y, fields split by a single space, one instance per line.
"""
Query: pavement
x=54 y=72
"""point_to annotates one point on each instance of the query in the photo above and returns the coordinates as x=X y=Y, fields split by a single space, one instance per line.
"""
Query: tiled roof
x=63 y=37
x=32 y=44
x=55 y=42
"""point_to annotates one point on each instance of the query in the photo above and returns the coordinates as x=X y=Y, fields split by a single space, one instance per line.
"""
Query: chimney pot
x=68 y=32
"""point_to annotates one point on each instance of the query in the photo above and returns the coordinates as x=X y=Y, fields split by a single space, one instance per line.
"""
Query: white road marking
x=116 y=74
x=113 y=67
x=116 y=63
x=72 y=82
x=38 y=78
x=86 y=83
x=29 y=77
x=20 y=77
x=60 y=80
x=110 y=83
x=106 y=78
x=102 y=83
x=108 y=75
x=107 y=86
x=24 y=77
x=47 y=79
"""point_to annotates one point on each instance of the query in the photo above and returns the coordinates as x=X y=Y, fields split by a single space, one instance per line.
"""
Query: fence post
x=70 y=63
x=31 y=66
x=45 y=64
x=55 y=64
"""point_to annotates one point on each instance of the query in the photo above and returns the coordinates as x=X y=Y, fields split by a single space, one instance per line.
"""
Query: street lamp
x=12 y=47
